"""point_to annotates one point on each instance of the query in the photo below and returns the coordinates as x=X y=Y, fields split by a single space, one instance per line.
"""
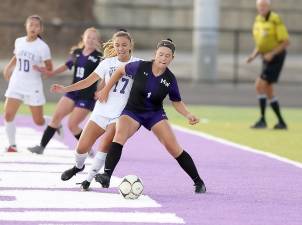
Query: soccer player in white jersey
x=25 y=82
x=104 y=115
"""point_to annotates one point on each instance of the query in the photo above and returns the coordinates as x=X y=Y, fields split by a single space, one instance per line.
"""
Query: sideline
x=238 y=146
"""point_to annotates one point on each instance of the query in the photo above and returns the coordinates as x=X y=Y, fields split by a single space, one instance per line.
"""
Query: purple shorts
x=81 y=103
x=147 y=119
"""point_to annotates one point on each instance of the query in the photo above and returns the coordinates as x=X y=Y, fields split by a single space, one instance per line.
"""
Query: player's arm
x=50 y=73
x=82 y=84
x=103 y=94
x=252 y=56
x=48 y=64
x=182 y=109
x=280 y=48
x=7 y=72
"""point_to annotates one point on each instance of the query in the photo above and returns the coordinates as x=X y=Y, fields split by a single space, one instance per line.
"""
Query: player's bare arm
x=91 y=79
x=103 y=94
x=7 y=72
x=181 y=108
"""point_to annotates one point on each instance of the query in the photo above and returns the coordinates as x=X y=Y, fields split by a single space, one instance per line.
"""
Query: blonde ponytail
x=109 y=50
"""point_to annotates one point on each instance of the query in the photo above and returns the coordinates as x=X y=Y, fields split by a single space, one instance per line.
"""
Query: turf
x=232 y=123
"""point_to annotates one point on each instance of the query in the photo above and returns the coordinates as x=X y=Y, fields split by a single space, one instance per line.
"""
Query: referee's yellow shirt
x=269 y=32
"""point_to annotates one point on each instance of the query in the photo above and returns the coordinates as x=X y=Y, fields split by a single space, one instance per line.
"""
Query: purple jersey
x=84 y=65
x=149 y=91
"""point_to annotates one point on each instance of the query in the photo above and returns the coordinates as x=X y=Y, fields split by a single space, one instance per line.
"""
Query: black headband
x=166 y=43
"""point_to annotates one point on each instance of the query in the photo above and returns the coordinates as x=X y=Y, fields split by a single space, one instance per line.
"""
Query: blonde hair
x=81 y=42
x=108 y=46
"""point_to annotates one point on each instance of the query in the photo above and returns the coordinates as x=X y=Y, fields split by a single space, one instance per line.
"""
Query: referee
x=271 y=40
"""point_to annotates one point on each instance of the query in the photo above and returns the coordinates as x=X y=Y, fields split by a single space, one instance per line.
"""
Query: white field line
x=239 y=146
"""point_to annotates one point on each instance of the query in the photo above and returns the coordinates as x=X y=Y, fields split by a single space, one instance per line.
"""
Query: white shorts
x=37 y=98
x=102 y=121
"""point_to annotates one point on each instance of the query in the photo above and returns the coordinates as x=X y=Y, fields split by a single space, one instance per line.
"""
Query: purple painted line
x=35 y=163
x=98 y=190
x=47 y=222
x=80 y=209
x=243 y=188
x=7 y=198
x=27 y=171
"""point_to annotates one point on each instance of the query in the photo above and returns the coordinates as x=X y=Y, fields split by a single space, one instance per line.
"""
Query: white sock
x=10 y=130
x=47 y=120
x=80 y=159
x=98 y=163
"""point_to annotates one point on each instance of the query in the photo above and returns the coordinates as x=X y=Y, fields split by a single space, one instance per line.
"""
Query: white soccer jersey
x=118 y=95
x=24 y=78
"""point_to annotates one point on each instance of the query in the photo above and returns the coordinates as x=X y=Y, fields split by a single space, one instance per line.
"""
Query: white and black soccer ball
x=131 y=187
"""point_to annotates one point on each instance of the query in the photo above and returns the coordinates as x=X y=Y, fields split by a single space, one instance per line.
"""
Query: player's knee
x=73 y=127
x=8 y=116
x=39 y=121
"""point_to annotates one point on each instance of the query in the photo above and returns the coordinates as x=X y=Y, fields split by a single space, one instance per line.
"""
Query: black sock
x=262 y=105
x=276 y=108
x=113 y=157
x=47 y=135
x=77 y=136
x=186 y=162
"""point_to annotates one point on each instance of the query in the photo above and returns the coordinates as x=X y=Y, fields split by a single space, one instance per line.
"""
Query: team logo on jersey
x=93 y=59
x=111 y=70
x=166 y=83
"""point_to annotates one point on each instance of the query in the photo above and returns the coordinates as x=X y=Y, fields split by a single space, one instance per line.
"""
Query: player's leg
x=99 y=159
x=273 y=72
x=82 y=108
x=125 y=128
x=90 y=134
x=165 y=134
x=260 y=86
x=11 y=107
x=63 y=108
x=76 y=117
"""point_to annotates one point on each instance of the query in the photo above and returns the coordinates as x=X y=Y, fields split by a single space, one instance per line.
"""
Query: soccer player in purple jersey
x=84 y=57
x=152 y=82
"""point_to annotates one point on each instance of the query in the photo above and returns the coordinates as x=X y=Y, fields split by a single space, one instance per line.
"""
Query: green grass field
x=232 y=123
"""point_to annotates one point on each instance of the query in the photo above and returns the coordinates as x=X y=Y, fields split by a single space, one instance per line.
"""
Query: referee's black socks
x=276 y=108
x=187 y=163
x=113 y=157
x=262 y=105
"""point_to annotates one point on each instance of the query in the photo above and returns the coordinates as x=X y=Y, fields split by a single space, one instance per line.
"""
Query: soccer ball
x=131 y=187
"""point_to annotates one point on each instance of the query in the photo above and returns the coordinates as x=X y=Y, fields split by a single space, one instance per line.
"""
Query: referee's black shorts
x=271 y=70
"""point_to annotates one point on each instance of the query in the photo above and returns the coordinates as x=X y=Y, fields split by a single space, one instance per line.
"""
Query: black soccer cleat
x=260 y=124
x=280 y=126
x=67 y=174
x=103 y=179
x=200 y=187
x=84 y=185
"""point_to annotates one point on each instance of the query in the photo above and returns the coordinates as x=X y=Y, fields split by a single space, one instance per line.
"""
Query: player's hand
x=192 y=119
x=102 y=95
x=43 y=70
x=57 y=88
x=250 y=58
x=268 y=56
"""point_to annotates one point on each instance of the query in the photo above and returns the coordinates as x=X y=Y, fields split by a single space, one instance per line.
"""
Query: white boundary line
x=238 y=146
